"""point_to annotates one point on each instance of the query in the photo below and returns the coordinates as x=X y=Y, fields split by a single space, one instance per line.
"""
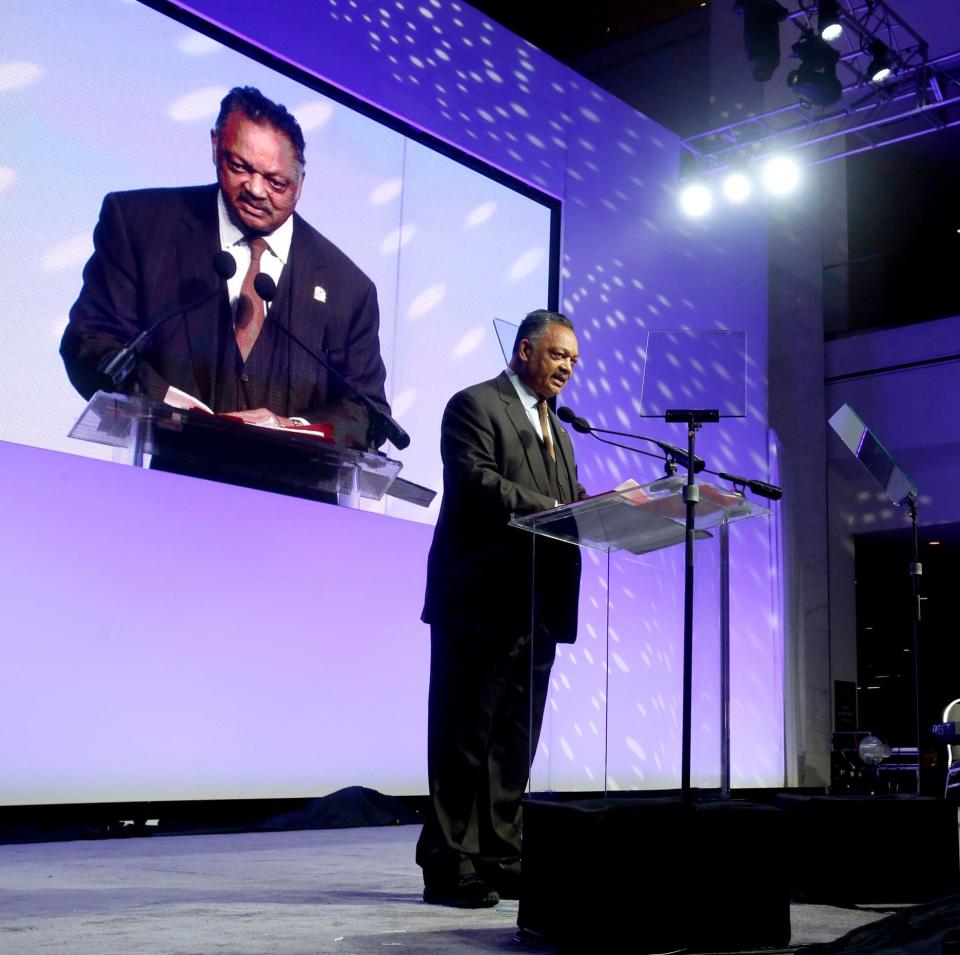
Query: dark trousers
x=483 y=725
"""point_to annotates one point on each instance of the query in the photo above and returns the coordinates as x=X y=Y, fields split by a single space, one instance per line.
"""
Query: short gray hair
x=535 y=324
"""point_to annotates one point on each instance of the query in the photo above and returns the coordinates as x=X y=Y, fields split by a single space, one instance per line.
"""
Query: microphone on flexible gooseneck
x=577 y=423
x=117 y=367
x=266 y=288
x=761 y=488
x=584 y=427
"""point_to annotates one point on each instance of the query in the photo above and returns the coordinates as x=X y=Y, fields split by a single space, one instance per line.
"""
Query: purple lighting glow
x=152 y=664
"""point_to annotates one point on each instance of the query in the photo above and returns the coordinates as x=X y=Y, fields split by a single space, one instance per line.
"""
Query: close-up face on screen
x=417 y=252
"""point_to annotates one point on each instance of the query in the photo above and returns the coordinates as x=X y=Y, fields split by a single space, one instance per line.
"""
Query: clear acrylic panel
x=506 y=334
x=613 y=714
x=299 y=461
x=686 y=370
x=869 y=450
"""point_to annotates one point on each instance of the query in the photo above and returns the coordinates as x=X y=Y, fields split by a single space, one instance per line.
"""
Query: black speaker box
x=850 y=849
x=654 y=874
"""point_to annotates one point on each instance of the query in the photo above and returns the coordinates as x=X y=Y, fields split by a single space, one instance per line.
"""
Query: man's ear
x=524 y=349
x=213 y=144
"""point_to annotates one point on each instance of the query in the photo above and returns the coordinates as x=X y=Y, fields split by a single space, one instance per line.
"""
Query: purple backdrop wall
x=317 y=659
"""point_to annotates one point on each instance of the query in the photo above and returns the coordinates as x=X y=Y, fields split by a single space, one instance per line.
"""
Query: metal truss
x=922 y=96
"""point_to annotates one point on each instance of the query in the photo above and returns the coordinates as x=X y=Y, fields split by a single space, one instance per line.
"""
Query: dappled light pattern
x=629 y=268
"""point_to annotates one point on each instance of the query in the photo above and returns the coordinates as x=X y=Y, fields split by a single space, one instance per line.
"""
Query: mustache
x=262 y=204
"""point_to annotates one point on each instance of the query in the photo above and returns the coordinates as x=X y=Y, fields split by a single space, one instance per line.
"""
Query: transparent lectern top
x=195 y=438
x=641 y=519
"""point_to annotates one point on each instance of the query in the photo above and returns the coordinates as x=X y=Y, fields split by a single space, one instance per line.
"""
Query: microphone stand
x=916 y=571
x=380 y=425
x=116 y=368
x=669 y=464
x=694 y=420
x=673 y=456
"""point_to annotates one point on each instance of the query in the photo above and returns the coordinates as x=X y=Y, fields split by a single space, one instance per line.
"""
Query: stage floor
x=348 y=891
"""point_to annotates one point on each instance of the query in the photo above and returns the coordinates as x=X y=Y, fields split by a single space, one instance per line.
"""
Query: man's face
x=547 y=364
x=259 y=174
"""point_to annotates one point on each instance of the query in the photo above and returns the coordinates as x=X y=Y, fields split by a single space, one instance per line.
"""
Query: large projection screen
x=206 y=689
x=112 y=95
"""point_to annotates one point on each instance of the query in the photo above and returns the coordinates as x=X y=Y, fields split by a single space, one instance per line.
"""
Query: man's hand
x=263 y=417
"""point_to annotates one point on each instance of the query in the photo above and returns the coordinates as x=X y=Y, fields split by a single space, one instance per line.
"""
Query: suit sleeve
x=469 y=447
x=105 y=316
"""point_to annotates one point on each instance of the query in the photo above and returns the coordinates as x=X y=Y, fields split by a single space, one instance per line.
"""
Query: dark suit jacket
x=153 y=253
x=479 y=568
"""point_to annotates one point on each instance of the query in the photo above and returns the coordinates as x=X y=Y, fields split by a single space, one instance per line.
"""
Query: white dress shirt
x=529 y=399
x=232 y=240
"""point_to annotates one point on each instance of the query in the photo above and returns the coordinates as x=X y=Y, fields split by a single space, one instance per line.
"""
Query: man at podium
x=504 y=452
x=163 y=251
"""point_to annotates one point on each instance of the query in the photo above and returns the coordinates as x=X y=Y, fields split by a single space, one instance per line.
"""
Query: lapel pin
x=320 y=294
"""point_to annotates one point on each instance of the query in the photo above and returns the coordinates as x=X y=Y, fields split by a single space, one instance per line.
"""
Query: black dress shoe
x=505 y=881
x=467 y=892
x=507 y=884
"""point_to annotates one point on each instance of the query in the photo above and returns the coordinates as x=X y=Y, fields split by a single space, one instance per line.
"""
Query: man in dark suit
x=154 y=252
x=504 y=452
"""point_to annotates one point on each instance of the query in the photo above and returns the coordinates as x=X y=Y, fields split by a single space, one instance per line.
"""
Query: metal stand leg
x=724 y=660
x=137 y=440
x=349 y=492
x=916 y=571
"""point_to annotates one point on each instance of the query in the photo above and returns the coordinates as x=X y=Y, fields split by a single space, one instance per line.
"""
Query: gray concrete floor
x=349 y=891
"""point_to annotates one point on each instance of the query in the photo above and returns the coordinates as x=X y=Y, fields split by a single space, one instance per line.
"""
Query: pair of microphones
x=117 y=367
x=760 y=488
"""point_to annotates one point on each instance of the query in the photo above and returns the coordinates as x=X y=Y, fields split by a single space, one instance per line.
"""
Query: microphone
x=579 y=424
x=584 y=427
x=266 y=288
x=680 y=455
x=225 y=265
x=118 y=366
x=770 y=491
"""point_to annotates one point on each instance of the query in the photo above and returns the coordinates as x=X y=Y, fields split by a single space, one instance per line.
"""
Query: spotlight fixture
x=736 y=187
x=828 y=20
x=761 y=35
x=881 y=66
x=696 y=200
x=815 y=80
x=780 y=175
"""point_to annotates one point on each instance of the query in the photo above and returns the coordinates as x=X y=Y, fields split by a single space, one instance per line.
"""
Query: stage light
x=828 y=20
x=872 y=750
x=780 y=175
x=696 y=200
x=815 y=80
x=761 y=35
x=736 y=187
x=881 y=66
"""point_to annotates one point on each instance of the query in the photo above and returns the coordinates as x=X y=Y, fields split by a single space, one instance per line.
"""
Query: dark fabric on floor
x=929 y=929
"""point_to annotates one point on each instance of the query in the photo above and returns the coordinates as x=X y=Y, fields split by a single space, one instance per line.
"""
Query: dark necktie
x=250 y=310
x=545 y=428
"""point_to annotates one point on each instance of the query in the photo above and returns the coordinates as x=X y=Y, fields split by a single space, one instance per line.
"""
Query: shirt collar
x=527 y=396
x=278 y=241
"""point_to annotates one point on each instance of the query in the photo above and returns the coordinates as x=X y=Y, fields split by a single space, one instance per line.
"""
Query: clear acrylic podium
x=240 y=453
x=640 y=521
